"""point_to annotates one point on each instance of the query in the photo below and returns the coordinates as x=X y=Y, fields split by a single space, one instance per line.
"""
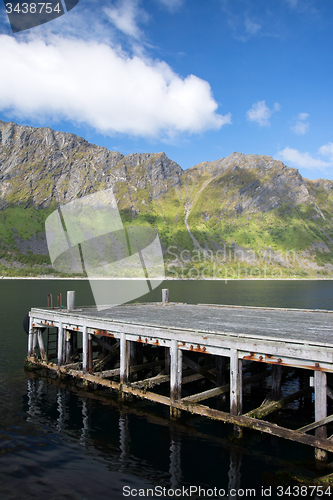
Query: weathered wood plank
x=210 y=393
x=272 y=406
x=316 y=424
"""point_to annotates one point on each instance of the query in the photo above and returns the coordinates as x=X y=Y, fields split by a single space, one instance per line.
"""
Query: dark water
x=57 y=444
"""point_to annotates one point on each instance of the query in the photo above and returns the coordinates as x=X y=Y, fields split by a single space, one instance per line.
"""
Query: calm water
x=57 y=444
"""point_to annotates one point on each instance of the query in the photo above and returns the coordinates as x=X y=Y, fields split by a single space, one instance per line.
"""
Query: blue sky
x=198 y=79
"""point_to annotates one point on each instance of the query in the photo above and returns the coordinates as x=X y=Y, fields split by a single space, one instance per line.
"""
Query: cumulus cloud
x=260 y=113
x=301 y=126
x=93 y=83
x=297 y=159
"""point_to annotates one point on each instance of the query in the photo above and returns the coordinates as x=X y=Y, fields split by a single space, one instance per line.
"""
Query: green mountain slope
x=240 y=216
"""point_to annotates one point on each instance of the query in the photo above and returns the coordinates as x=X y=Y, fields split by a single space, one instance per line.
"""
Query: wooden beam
x=314 y=425
x=329 y=392
x=200 y=369
x=148 y=383
x=224 y=388
x=272 y=406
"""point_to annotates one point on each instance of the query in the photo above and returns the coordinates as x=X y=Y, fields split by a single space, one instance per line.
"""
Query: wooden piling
x=60 y=344
x=236 y=393
x=41 y=344
x=123 y=360
x=320 y=386
x=276 y=382
x=90 y=354
x=85 y=350
x=175 y=377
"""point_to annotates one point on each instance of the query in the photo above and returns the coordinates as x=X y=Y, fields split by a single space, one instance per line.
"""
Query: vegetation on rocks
x=244 y=216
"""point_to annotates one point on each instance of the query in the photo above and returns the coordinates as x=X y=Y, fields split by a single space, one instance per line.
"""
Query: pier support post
x=320 y=386
x=236 y=398
x=175 y=377
x=60 y=344
x=90 y=354
x=220 y=375
x=276 y=382
x=30 y=338
x=84 y=350
x=124 y=359
x=68 y=346
x=41 y=344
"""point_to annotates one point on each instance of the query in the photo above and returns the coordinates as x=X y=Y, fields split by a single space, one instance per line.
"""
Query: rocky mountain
x=243 y=209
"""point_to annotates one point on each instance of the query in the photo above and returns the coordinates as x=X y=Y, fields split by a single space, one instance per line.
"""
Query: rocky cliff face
x=38 y=166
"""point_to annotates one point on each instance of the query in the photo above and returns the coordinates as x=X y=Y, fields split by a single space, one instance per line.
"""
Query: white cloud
x=125 y=16
x=93 y=83
x=301 y=127
x=327 y=150
x=251 y=27
x=261 y=114
x=297 y=159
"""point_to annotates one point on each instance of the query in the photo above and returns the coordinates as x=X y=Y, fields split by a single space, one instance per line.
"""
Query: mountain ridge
x=239 y=202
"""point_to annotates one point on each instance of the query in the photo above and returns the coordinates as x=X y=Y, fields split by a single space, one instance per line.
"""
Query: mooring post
x=175 y=377
x=320 y=386
x=276 y=382
x=60 y=344
x=165 y=296
x=41 y=344
x=70 y=300
x=84 y=350
x=236 y=399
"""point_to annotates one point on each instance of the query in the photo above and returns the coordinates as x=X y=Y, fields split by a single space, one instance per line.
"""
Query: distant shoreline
x=46 y=278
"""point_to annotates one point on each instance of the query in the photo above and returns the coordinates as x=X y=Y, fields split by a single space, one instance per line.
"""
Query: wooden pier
x=135 y=348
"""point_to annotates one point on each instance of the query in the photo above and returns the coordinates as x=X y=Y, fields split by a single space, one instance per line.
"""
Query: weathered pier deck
x=120 y=347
